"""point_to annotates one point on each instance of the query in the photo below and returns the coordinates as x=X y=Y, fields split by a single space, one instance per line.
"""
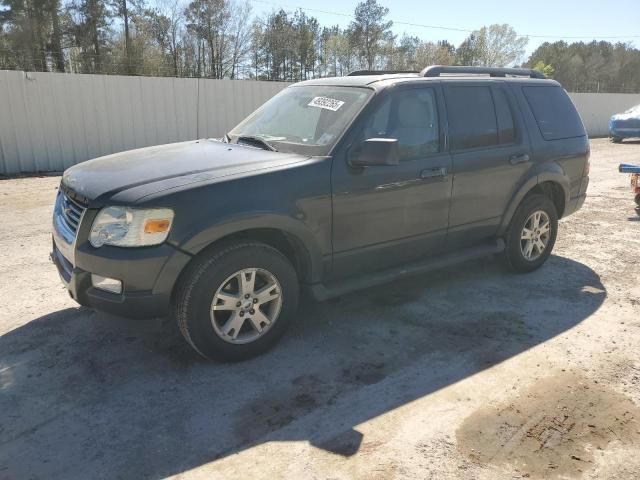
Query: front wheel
x=237 y=302
x=532 y=234
x=615 y=139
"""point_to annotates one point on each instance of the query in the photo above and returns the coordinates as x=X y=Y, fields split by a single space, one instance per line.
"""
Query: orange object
x=156 y=226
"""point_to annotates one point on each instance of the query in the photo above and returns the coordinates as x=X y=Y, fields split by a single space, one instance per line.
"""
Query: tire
x=218 y=275
x=637 y=199
x=615 y=139
x=517 y=248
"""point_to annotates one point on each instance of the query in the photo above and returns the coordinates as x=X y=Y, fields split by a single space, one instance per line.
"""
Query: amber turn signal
x=157 y=226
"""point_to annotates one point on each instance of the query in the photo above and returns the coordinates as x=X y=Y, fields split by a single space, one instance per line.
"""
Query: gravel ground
x=470 y=372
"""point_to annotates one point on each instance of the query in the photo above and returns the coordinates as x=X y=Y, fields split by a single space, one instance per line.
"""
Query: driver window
x=411 y=117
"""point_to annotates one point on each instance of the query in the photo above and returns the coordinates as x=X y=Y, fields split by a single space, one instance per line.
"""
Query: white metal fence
x=596 y=109
x=50 y=121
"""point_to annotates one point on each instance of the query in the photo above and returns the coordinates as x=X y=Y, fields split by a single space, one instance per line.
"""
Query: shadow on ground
x=87 y=396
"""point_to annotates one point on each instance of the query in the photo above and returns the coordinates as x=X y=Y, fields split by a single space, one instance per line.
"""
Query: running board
x=321 y=292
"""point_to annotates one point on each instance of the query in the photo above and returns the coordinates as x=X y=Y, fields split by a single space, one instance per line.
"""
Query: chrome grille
x=70 y=212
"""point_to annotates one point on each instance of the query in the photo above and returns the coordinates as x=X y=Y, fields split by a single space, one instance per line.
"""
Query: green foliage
x=493 y=46
x=28 y=30
x=369 y=31
x=544 y=68
x=591 y=67
x=221 y=39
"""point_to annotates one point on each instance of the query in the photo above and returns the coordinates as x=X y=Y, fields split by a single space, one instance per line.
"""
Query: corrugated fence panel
x=50 y=121
x=14 y=124
x=596 y=108
x=224 y=103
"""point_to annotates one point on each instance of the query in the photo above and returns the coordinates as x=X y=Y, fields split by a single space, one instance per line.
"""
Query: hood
x=168 y=166
x=626 y=117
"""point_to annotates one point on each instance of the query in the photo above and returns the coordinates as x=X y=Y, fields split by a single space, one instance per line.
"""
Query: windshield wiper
x=256 y=140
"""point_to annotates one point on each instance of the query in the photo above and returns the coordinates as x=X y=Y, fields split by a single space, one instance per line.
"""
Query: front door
x=390 y=215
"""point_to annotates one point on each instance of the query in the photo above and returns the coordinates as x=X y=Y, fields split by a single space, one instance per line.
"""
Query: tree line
x=224 y=39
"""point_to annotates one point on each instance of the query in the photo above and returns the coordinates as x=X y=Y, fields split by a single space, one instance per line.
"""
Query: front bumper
x=148 y=276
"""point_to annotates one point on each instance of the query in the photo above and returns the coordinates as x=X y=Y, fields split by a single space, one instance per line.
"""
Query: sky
x=555 y=20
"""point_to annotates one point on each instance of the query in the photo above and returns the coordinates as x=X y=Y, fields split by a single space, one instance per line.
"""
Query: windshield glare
x=305 y=119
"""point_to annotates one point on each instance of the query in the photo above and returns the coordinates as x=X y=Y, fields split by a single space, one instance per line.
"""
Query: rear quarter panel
x=563 y=160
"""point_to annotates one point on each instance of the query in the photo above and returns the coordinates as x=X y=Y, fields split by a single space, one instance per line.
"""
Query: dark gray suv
x=332 y=185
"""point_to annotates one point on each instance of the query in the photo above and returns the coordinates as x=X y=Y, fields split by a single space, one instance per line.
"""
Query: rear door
x=490 y=154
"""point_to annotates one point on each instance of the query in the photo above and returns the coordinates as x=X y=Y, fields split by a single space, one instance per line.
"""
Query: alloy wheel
x=535 y=235
x=246 y=305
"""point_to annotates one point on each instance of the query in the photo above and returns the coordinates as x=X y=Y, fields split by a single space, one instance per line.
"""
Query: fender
x=294 y=228
x=543 y=172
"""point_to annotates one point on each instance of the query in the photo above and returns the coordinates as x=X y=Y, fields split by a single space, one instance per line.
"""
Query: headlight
x=131 y=227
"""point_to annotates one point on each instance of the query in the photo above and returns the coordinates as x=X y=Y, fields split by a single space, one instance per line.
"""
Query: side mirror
x=375 y=151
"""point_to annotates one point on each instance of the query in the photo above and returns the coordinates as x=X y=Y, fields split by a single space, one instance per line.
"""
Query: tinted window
x=556 y=116
x=472 y=117
x=506 y=127
x=379 y=123
x=410 y=116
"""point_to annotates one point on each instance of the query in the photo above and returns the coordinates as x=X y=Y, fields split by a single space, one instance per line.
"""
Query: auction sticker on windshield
x=326 y=103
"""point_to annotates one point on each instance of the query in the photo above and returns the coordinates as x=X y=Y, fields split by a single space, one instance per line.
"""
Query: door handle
x=515 y=159
x=439 y=172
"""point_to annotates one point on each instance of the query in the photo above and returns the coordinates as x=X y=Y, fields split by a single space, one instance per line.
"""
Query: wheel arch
x=297 y=245
x=291 y=246
x=552 y=184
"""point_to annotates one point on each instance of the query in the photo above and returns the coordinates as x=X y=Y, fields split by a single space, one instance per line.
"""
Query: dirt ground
x=470 y=372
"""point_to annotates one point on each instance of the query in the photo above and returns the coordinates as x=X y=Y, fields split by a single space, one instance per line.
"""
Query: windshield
x=305 y=119
x=635 y=109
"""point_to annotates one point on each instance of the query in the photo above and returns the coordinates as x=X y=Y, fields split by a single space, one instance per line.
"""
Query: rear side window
x=506 y=127
x=472 y=117
x=556 y=116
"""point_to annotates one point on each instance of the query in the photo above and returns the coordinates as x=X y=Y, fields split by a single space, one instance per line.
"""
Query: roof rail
x=358 y=73
x=437 y=70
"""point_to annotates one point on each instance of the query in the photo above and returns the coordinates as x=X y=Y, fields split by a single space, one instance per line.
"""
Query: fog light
x=107 y=284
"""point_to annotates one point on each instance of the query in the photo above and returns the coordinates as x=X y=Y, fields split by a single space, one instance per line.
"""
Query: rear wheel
x=532 y=234
x=237 y=302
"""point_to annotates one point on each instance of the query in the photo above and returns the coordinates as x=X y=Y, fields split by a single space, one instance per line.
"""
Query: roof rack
x=358 y=73
x=437 y=70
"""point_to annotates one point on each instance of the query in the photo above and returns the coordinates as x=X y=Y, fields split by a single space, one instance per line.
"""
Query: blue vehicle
x=625 y=125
